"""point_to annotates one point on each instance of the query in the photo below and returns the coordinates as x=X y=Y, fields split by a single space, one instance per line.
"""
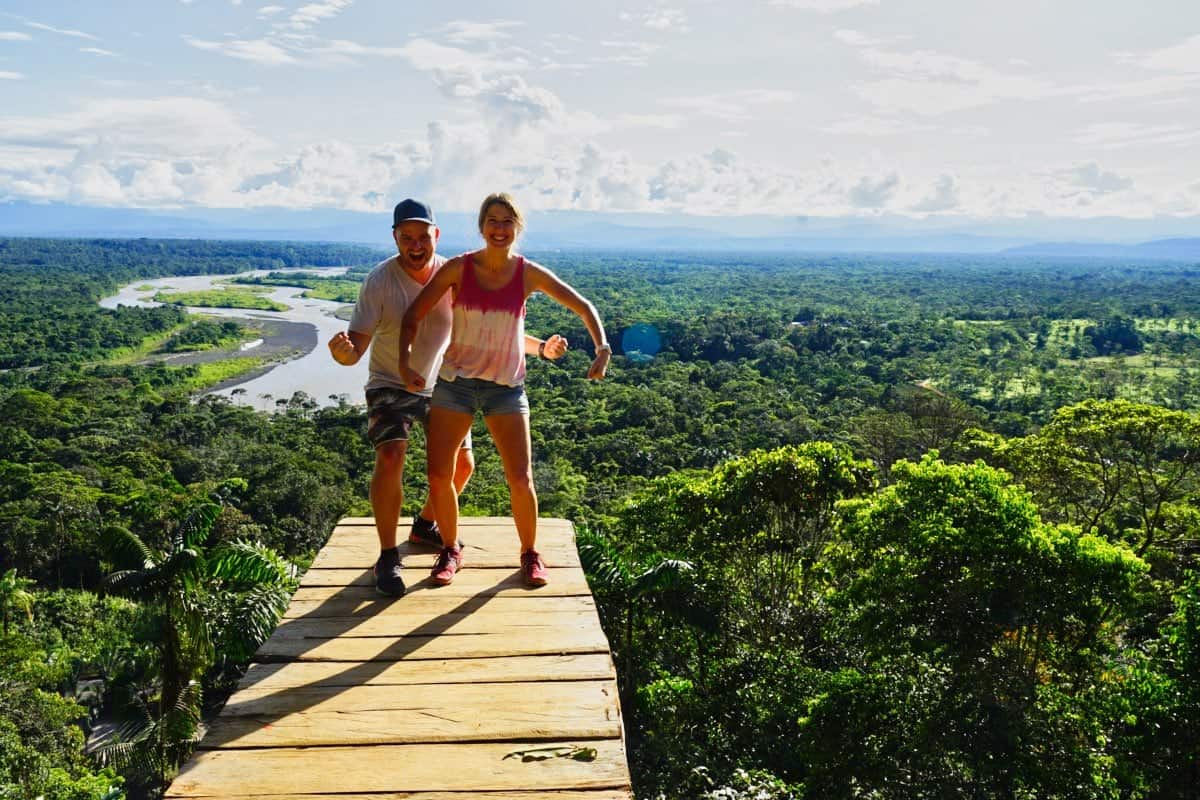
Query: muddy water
x=314 y=372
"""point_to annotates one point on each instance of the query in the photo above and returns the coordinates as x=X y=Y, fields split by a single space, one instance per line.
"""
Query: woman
x=484 y=370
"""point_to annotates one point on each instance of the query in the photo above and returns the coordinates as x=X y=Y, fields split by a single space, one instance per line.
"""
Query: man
x=386 y=294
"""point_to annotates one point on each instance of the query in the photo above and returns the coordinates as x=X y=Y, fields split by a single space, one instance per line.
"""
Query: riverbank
x=281 y=341
x=291 y=356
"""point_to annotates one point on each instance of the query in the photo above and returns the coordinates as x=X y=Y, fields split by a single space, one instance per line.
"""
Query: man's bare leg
x=387 y=490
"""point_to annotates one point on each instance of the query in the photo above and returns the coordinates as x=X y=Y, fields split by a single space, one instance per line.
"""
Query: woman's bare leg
x=510 y=432
x=445 y=433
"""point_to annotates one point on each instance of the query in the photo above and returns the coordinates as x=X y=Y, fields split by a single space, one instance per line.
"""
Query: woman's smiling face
x=500 y=227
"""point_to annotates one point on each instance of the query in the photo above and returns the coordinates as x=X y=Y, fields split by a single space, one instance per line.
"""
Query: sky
x=931 y=109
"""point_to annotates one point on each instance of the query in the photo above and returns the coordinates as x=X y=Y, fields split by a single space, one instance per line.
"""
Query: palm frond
x=127 y=581
x=667 y=574
x=126 y=548
x=608 y=573
x=257 y=613
x=249 y=563
x=196 y=528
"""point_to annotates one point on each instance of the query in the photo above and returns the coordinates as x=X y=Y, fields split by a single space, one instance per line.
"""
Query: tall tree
x=183 y=584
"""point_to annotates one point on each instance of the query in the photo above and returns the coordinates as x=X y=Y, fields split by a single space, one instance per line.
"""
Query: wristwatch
x=542 y=349
x=604 y=348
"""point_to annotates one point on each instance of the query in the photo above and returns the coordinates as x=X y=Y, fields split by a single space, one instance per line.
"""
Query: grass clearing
x=214 y=372
x=148 y=346
x=229 y=297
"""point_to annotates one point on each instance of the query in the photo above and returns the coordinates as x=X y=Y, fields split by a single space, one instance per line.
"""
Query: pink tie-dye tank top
x=487 y=340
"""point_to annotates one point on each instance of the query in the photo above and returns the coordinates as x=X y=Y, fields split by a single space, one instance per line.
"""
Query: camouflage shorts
x=391 y=413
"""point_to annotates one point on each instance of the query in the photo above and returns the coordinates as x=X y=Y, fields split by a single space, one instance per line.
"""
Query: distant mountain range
x=1166 y=238
x=1158 y=250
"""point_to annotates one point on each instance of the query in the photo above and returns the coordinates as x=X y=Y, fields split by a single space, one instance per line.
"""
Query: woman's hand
x=553 y=348
x=413 y=381
x=599 y=364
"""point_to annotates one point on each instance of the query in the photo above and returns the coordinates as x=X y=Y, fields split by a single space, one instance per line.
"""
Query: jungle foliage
x=860 y=527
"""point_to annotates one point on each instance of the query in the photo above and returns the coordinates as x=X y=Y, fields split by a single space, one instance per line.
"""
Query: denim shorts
x=391 y=412
x=468 y=395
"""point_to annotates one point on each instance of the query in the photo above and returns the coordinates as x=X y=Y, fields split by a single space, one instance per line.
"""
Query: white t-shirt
x=386 y=294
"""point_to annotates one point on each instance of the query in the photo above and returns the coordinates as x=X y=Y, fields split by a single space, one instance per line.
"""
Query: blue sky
x=839 y=108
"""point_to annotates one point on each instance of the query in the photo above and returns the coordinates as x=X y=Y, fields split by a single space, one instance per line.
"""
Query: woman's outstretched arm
x=540 y=279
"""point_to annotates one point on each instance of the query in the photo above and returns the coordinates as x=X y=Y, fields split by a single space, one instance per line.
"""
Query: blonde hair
x=505 y=199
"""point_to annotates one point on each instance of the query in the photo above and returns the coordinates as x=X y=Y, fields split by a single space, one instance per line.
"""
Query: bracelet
x=604 y=348
x=542 y=349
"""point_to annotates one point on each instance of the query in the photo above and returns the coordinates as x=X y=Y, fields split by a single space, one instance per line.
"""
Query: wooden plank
x=569 y=794
x=432 y=603
x=417 y=714
x=362 y=555
x=494 y=545
x=421 y=697
x=468 y=583
x=573 y=667
x=394 y=625
x=397 y=768
x=523 y=641
x=463 y=522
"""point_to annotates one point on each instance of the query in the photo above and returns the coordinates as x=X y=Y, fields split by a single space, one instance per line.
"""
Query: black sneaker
x=387 y=573
x=426 y=532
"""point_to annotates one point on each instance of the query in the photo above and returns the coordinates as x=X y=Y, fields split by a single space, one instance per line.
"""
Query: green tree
x=638 y=590
x=189 y=585
x=970 y=625
x=15 y=596
x=1116 y=467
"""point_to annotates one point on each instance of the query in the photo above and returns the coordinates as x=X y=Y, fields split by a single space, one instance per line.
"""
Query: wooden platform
x=434 y=696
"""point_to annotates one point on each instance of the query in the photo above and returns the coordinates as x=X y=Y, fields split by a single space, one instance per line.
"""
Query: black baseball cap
x=412 y=211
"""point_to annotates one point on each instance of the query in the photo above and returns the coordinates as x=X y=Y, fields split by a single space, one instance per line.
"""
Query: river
x=315 y=372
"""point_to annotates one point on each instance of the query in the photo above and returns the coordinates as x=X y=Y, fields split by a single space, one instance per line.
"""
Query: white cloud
x=308 y=15
x=142 y=128
x=944 y=197
x=1091 y=178
x=721 y=182
x=487 y=81
x=269 y=11
x=260 y=51
x=510 y=97
x=191 y=152
x=122 y=152
x=629 y=53
x=62 y=31
x=14 y=36
x=856 y=38
x=1116 y=135
x=12 y=76
x=874 y=193
x=1155 y=86
x=318 y=175
x=1182 y=58
x=824 y=6
x=665 y=121
x=97 y=51
x=467 y=32
x=560 y=44
x=868 y=125
x=930 y=83
x=732 y=105
x=662 y=18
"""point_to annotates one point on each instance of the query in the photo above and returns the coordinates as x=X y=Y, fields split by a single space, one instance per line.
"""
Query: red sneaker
x=450 y=561
x=534 y=569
